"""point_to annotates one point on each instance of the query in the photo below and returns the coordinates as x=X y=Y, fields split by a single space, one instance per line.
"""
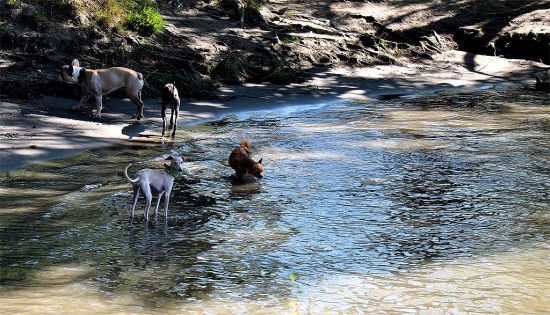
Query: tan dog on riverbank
x=243 y=164
x=104 y=81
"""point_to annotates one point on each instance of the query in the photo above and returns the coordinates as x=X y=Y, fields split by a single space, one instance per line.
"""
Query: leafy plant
x=232 y=71
x=252 y=5
x=110 y=14
x=138 y=15
x=145 y=20
x=287 y=38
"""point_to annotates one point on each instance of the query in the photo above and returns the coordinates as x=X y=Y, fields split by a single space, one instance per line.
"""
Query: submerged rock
x=543 y=80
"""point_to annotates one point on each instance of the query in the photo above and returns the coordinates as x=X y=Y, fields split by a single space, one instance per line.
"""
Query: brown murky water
x=433 y=204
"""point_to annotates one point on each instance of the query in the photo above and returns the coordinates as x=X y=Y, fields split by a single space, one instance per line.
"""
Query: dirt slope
x=202 y=46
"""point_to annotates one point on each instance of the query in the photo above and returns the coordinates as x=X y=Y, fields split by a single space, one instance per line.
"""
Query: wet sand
x=47 y=128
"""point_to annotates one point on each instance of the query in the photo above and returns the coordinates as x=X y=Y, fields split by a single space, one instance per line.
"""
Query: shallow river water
x=430 y=204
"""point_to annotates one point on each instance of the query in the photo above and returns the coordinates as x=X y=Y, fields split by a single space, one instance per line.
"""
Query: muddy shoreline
x=44 y=129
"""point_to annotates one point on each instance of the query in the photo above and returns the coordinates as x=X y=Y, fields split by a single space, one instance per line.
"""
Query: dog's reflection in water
x=243 y=189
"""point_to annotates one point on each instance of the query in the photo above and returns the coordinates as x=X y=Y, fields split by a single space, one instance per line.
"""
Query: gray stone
x=543 y=80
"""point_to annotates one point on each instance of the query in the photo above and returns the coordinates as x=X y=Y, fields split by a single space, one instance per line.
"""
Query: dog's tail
x=245 y=144
x=140 y=77
x=128 y=177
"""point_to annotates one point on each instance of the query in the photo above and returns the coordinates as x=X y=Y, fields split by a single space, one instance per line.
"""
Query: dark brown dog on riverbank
x=104 y=81
x=170 y=98
x=243 y=164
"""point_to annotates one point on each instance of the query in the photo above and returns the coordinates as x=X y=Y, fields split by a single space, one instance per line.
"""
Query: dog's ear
x=260 y=161
x=170 y=158
x=70 y=70
x=75 y=63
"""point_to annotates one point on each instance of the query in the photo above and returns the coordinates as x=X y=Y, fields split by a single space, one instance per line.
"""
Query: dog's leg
x=158 y=202
x=171 y=114
x=176 y=108
x=136 y=196
x=240 y=174
x=163 y=114
x=139 y=109
x=83 y=100
x=148 y=199
x=99 y=105
x=166 y=201
x=135 y=97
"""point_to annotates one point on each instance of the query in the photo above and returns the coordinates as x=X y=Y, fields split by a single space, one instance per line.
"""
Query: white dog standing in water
x=159 y=182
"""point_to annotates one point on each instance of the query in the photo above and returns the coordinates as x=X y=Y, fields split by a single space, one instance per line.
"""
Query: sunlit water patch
x=435 y=203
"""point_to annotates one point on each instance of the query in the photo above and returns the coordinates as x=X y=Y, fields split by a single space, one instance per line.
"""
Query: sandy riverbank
x=47 y=128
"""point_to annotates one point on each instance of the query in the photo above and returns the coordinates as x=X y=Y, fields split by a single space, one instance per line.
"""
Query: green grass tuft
x=145 y=20
x=141 y=16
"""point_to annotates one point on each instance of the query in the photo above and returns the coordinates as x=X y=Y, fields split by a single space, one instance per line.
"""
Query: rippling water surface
x=437 y=203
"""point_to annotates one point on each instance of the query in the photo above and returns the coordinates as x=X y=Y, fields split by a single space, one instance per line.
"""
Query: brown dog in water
x=241 y=161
